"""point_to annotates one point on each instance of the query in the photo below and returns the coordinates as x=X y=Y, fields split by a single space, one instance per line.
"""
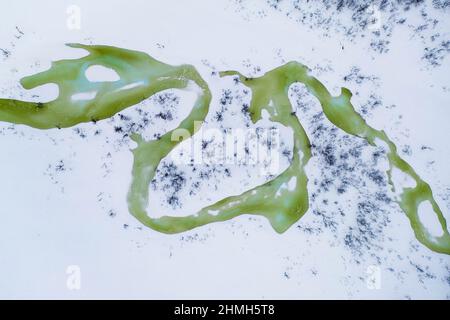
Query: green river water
x=141 y=76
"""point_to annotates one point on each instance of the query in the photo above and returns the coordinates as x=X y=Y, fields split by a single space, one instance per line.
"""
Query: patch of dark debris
x=176 y=182
x=5 y=53
x=54 y=170
x=225 y=101
x=171 y=180
x=371 y=219
x=17 y=35
x=226 y=108
x=143 y=116
x=355 y=75
x=112 y=213
x=374 y=21
x=423 y=272
x=447 y=278
x=80 y=132
x=342 y=160
x=358 y=217
x=435 y=55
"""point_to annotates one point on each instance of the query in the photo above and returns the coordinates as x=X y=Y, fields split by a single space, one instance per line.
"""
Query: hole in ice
x=99 y=73
x=429 y=219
